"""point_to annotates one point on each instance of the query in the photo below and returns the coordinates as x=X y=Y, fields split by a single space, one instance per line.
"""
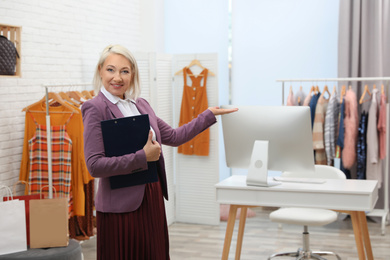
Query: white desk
x=350 y=196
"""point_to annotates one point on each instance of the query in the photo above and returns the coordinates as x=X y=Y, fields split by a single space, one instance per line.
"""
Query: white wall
x=281 y=39
x=201 y=26
x=61 y=42
x=152 y=26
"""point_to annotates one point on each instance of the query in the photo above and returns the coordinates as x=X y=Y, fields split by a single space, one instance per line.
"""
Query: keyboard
x=299 y=180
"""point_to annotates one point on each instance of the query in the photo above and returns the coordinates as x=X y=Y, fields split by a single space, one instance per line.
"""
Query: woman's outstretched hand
x=221 y=111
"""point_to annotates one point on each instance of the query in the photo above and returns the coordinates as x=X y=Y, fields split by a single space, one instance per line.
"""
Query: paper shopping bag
x=49 y=223
x=26 y=199
x=12 y=225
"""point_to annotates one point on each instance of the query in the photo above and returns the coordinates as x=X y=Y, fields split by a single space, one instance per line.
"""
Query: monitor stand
x=258 y=167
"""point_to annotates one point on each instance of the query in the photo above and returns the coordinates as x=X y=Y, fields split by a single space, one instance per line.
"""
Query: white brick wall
x=61 y=42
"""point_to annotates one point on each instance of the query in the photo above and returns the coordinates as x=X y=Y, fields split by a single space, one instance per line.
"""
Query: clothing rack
x=48 y=132
x=383 y=213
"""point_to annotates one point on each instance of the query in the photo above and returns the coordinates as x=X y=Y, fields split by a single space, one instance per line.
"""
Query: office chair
x=308 y=217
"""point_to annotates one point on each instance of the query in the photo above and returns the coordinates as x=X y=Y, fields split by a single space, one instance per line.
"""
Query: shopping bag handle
x=24 y=182
x=55 y=191
x=9 y=192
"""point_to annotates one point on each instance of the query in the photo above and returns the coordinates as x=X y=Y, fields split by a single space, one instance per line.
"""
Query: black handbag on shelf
x=8 y=56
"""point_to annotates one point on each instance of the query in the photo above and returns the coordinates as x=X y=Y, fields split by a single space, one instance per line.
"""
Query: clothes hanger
x=76 y=95
x=334 y=90
x=325 y=91
x=382 y=89
x=366 y=91
x=342 y=94
x=311 y=90
x=86 y=94
x=53 y=97
x=317 y=89
x=193 y=63
x=68 y=99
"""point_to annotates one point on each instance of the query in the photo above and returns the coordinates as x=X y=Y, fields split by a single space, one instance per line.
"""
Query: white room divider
x=191 y=179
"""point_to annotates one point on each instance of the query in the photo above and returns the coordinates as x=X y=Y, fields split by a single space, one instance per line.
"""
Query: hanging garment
x=313 y=104
x=300 y=97
x=61 y=161
x=373 y=164
x=318 y=131
x=351 y=124
x=79 y=172
x=307 y=100
x=340 y=140
x=362 y=147
x=81 y=227
x=330 y=128
x=194 y=102
x=290 y=98
x=382 y=127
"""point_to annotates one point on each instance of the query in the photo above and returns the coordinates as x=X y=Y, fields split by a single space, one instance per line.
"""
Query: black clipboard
x=124 y=136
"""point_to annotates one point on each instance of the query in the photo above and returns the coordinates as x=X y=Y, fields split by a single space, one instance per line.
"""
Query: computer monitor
x=263 y=138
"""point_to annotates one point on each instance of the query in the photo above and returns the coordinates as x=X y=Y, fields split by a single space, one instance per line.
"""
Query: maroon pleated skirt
x=141 y=234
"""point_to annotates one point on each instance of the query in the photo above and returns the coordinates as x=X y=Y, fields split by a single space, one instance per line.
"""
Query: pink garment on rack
x=306 y=102
x=351 y=125
x=290 y=99
x=382 y=127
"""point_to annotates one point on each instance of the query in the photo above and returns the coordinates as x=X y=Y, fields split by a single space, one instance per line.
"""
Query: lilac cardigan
x=129 y=198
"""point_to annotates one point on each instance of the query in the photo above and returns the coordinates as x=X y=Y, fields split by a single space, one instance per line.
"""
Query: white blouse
x=126 y=106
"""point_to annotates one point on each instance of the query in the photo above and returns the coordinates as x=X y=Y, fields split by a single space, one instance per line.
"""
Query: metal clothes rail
x=383 y=213
x=48 y=124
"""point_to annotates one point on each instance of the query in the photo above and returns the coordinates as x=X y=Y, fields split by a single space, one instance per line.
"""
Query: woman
x=131 y=221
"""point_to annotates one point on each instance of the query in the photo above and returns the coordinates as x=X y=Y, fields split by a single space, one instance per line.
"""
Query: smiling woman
x=116 y=75
x=117 y=71
x=131 y=221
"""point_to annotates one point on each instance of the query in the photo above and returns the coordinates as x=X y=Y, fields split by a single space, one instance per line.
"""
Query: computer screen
x=286 y=131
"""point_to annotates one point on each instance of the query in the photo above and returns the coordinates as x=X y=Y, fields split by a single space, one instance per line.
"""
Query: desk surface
x=355 y=195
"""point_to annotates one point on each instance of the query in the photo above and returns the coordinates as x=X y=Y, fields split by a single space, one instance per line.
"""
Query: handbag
x=49 y=222
x=26 y=199
x=12 y=225
x=8 y=56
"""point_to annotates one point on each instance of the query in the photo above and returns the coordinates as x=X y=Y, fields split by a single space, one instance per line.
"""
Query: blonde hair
x=135 y=89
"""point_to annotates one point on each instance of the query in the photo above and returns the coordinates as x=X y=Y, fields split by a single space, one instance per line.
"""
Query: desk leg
x=229 y=231
x=358 y=234
x=241 y=229
x=366 y=234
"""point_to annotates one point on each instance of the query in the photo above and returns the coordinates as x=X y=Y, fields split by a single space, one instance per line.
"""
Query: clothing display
x=291 y=98
x=299 y=97
x=312 y=105
x=340 y=132
x=69 y=172
x=351 y=122
x=330 y=127
x=373 y=165
x=362 y=147
x=318 y=130
x=194 y=102
x=61 y=160
x=382 y=126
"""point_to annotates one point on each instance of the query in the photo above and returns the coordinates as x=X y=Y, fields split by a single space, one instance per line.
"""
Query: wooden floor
x=263 y=238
